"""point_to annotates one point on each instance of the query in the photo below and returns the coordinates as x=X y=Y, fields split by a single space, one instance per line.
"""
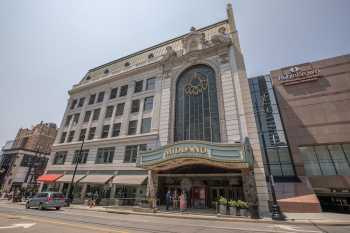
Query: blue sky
x=47 y=46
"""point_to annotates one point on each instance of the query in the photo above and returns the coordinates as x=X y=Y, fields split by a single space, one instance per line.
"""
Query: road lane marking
x=295 y=229
x=66 y=224
x=18 y=225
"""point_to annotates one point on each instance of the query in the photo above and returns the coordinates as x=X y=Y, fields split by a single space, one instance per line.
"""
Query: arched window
x=196 y=105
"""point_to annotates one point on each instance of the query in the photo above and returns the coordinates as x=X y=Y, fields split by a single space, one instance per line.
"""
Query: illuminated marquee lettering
x=178 y=150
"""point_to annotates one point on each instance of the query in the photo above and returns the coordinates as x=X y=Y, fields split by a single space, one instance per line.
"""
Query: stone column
x=249 y=187
x=83 y=191
x=152 y=188
x=61 y=187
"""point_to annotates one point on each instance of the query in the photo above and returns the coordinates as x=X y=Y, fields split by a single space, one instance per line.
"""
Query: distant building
x=24 y=159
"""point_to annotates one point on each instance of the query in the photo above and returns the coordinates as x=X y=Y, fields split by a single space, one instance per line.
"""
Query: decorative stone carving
x=224 y=58
x=170 y=54
x=221 y=37
x=195 y=40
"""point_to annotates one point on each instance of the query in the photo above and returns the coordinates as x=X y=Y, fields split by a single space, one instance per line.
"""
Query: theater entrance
x=201 y=185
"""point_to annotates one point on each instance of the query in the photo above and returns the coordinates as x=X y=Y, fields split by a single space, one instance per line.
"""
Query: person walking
x=167 y=199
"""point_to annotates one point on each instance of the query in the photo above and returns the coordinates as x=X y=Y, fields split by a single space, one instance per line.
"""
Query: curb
x=218 y=218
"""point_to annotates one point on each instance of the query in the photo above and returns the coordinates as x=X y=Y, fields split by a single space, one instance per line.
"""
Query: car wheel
x=41 y=207
x=27 y=205
x=58 y=208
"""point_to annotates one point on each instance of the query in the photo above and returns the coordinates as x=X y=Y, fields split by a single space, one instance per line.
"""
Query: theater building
x=175 y=116
x=313 y=100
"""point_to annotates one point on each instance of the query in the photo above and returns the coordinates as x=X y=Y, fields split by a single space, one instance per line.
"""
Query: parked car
x=46 y=200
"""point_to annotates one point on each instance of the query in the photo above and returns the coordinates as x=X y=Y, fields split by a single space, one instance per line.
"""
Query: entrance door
x=199 y=197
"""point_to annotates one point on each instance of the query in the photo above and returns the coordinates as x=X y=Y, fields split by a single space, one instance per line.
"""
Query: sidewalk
x=330 y=219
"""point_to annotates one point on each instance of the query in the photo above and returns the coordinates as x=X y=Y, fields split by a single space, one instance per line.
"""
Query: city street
x=14 y=218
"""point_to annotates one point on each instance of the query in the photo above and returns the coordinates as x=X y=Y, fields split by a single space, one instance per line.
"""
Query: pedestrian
x=182 y=201
x=167 y=199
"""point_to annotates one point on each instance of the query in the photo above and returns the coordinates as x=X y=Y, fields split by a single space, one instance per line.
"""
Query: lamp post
x=71 y=187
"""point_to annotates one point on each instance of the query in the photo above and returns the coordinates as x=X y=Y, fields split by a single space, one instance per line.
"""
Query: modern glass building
x=277 y=158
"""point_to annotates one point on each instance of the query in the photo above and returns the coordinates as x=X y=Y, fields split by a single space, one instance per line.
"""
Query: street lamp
x=71 y=187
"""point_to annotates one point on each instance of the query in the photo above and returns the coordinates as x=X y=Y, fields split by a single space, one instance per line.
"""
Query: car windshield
x=57 y=195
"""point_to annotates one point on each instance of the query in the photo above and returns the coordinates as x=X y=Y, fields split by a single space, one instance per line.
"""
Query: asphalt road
x=14 y=218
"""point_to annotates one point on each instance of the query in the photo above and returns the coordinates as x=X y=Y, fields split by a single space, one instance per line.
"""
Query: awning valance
x=68 y=178
x=49 y=178
x=96 y=179
x=129 y=179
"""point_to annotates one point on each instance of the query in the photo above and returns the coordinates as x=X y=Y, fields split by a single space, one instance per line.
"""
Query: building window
x=87 y=116
x=26 y=160
x=132 y=127
x=68 y=119
x=76 y=118
x=120 y=109
x=81 y=102
x=114 y=92
x=63 y=137
x=92 y=131
x=60 y=157
x=148 y=104
x=82 y=134
x=109 y=112
x=74 y=103
x=105 y=131
x=146 y=125
x=196 y=105
x=326 y=160
x=82 y=158
x=100 y=97
x=105 y=155
x=92 y=99
x=138 y=86
x=123 y=91
x=135 y=106
x=70 y=136
x=150 y=83
x=131 y=152
x=96 y=114
x=116 y=130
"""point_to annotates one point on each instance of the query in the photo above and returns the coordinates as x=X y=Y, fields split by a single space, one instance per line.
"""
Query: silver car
x=46 y=200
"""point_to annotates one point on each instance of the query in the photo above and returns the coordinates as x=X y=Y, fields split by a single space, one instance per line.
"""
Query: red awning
x=49 y=178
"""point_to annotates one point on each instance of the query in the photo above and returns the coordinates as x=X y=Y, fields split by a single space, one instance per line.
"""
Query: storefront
x=203 y=171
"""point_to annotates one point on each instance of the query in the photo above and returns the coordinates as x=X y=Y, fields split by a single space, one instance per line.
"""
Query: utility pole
x=71 y=187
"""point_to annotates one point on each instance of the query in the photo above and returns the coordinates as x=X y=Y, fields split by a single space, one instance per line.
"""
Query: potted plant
x=223 y=205
x=232 y=207
x=243 y=207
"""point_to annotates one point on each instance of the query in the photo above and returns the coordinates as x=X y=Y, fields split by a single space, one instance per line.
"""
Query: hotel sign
x=296 y=75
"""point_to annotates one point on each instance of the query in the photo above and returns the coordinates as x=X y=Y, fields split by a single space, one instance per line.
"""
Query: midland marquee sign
x=195 y=150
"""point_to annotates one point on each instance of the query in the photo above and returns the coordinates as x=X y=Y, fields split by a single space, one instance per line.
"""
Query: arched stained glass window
x=196 y=105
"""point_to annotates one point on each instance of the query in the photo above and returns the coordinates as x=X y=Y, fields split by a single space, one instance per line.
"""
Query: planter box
x=223 y=209
x=244 y=212
x=233 y=210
